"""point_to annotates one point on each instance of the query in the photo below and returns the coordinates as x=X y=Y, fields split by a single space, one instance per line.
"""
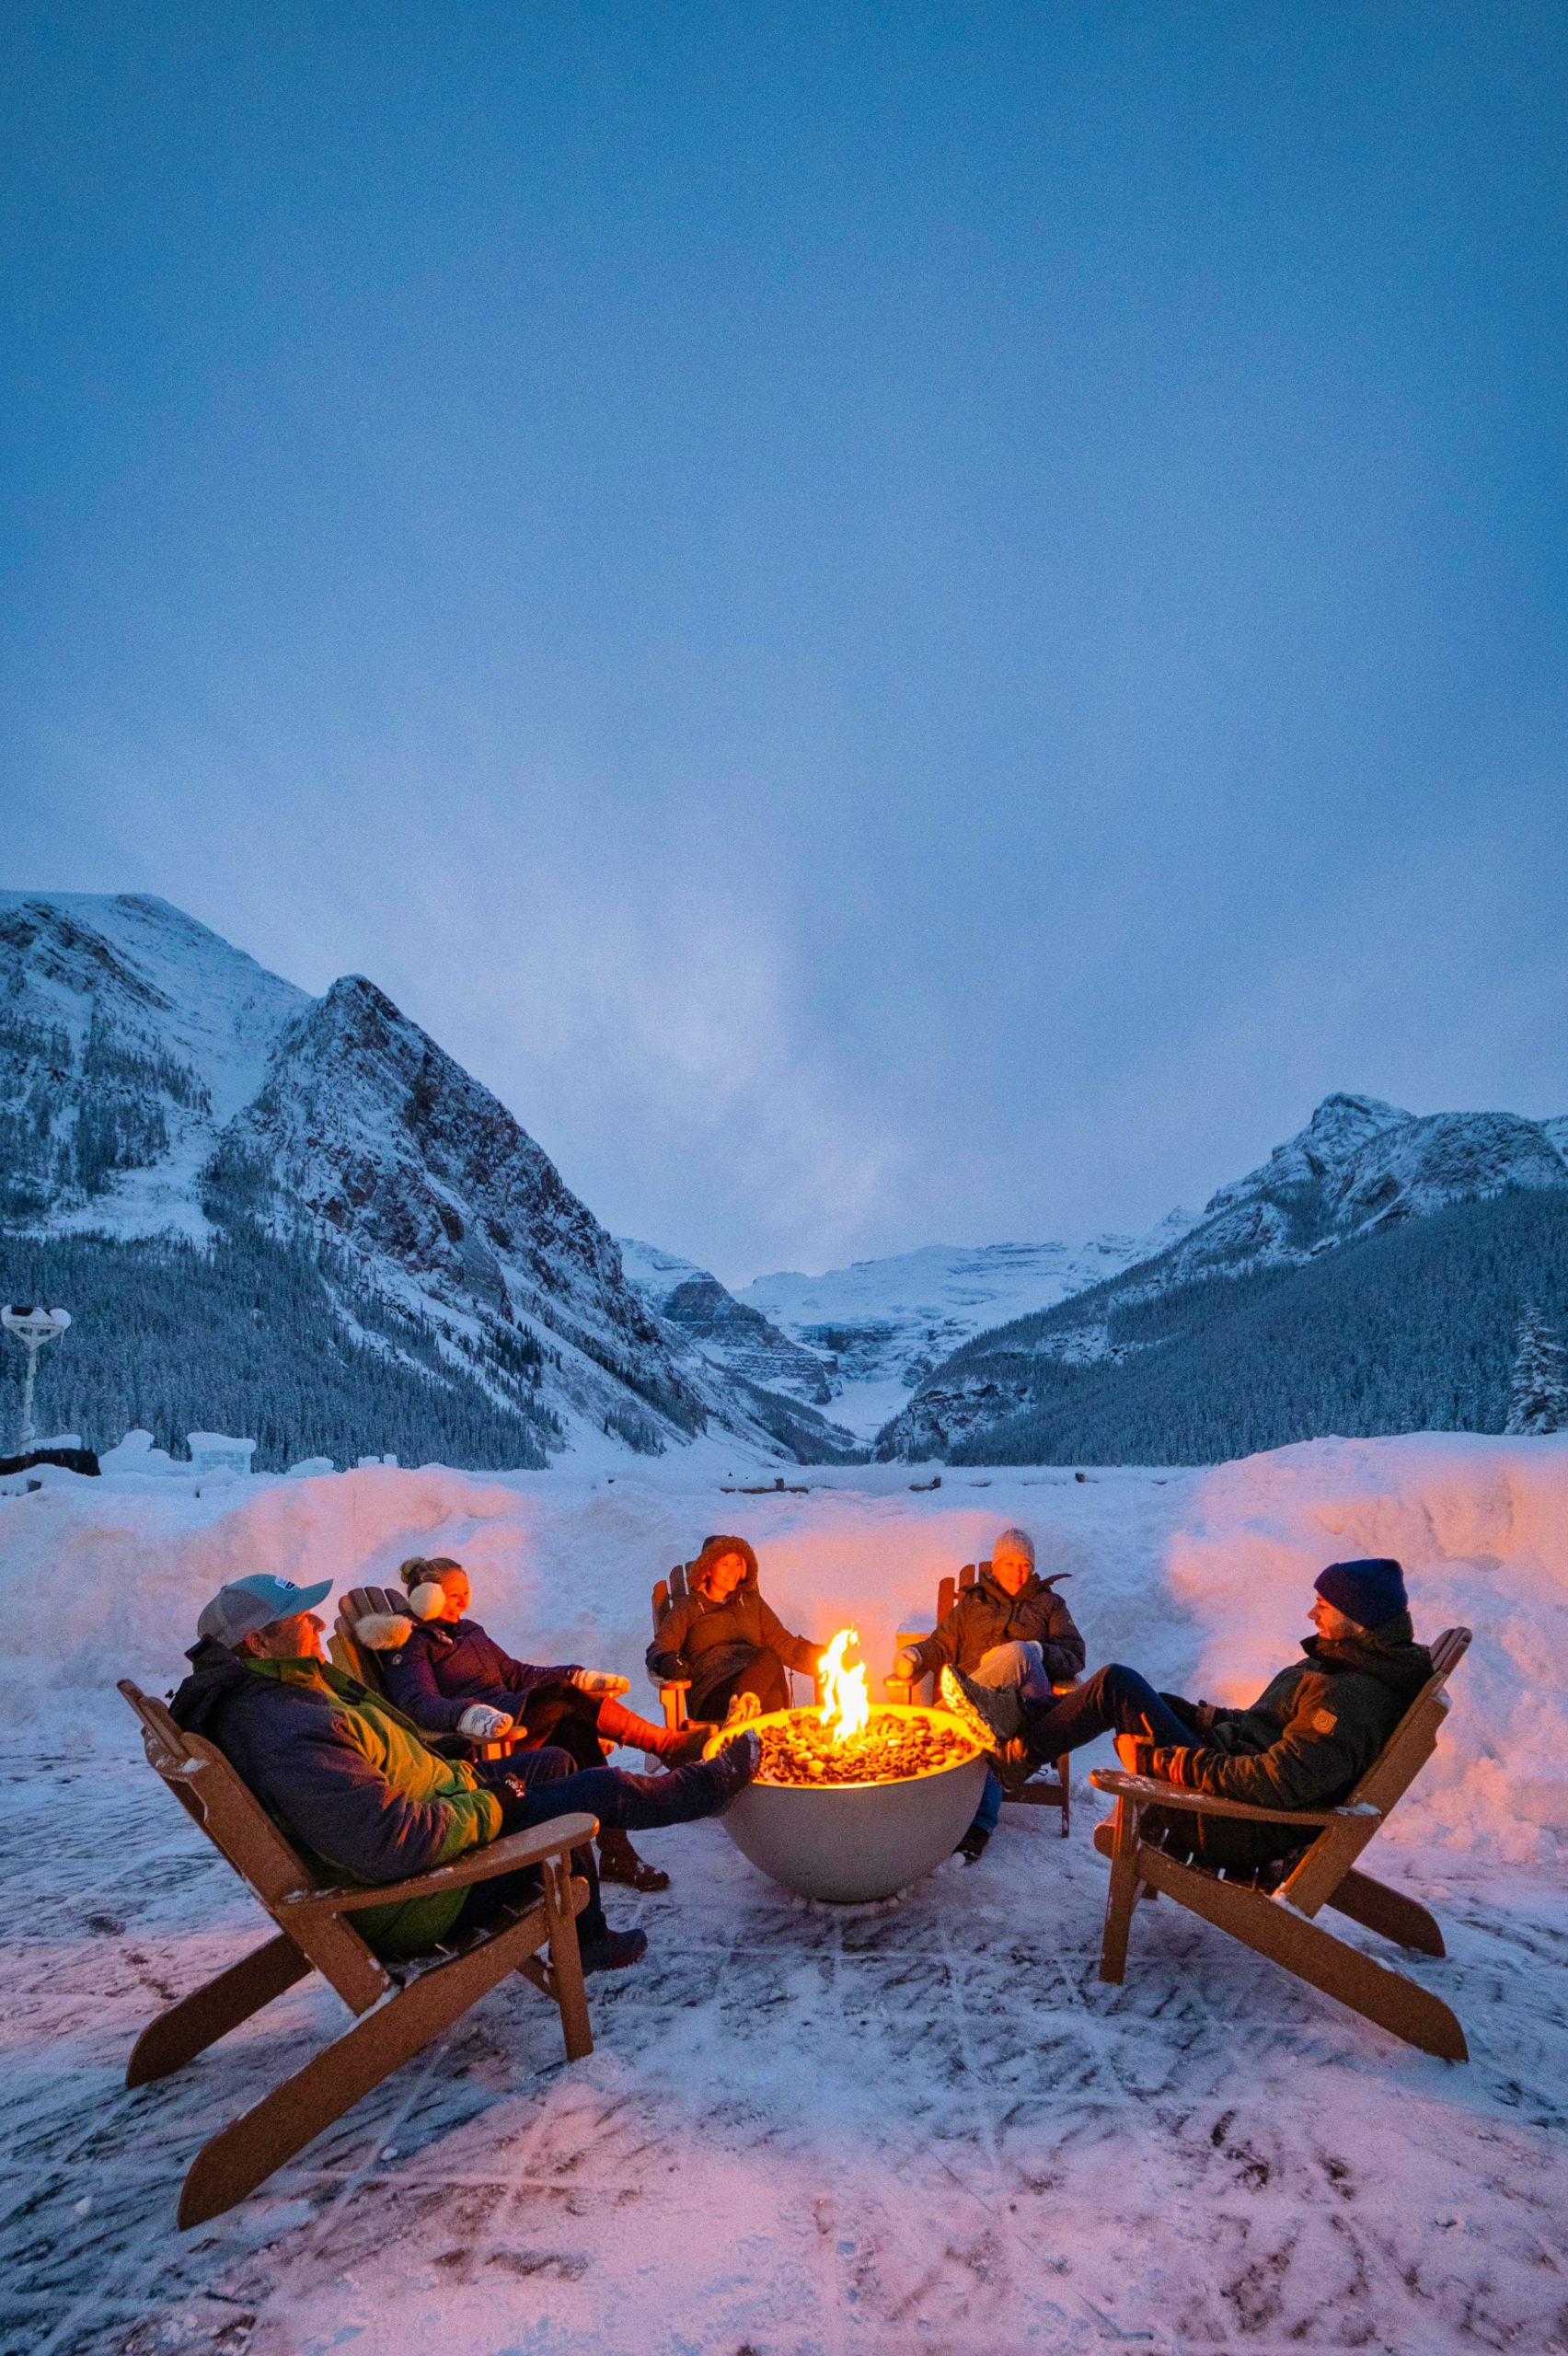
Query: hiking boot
x=972 y=1848
x=618 y=1861
x=990 y=1713
x=610 y=1950
x=740 y=1711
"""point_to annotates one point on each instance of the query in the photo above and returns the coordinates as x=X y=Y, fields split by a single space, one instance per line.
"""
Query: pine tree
x=1538 y=1392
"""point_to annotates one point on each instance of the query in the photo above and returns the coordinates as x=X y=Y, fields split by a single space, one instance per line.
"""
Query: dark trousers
x=1115 y=1700
x=535 y=1787
x=763 y=1675
x=563 y=1719
x=519 y=1784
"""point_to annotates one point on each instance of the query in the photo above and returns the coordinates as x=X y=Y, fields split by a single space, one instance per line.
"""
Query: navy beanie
x=1367 y=1592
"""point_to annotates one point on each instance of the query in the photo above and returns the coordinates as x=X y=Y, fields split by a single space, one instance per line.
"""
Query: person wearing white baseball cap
x=365 y=1797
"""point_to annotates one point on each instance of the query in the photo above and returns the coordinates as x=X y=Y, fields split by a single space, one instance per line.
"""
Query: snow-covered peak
x=133 y=963
x=655 y=1274
x=882 y=1325
x=1361 y=1161
x=943 y=1283
x=1326 y=1148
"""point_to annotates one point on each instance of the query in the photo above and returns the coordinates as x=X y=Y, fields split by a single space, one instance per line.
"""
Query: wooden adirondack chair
x=359 y=1661
x=401 y=2007
x=1280 y=1924
x=1051 y=1785
x=673 y=1691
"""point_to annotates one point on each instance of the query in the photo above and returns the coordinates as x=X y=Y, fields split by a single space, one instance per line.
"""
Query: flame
x=846 y=1706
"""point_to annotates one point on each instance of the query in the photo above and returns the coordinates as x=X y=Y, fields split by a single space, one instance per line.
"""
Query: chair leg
x=245 y=2153
x=1065 y=1774
x=1314 y=1954
x=1121 y=1895
x=564 y=1901
x=1389 y=1912
x=209 y=2013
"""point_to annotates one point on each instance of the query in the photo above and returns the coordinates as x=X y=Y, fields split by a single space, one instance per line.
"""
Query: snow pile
x=1201 y=1579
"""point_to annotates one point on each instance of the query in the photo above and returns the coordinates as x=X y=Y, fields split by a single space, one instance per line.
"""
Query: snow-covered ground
x=928 y=2127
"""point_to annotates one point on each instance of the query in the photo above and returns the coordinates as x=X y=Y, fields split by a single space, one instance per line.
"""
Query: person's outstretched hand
x=602 y=1684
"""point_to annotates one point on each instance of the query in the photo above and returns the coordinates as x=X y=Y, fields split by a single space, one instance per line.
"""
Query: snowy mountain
x=728 y=1332
x=1361 y=1173
x=378 y=1237
x=880 y=1327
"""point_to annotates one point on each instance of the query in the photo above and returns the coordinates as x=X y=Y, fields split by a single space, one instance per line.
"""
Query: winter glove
x=481 y=1724
x=600 y=1682
x=906 y=1664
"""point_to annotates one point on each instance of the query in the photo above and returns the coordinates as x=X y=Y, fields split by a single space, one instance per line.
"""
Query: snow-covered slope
x=879 y=1327
x=129 y=1036
x=1360 y=1170
x=155 y=1082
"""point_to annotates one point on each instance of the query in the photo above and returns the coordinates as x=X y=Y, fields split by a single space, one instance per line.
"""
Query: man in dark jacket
x=723 y=1637
x=1304 y=1743
x=1010 y=1632
x=365 y=1798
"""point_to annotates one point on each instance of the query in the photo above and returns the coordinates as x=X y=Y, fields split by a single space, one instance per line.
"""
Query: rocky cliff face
x=154 y=1082
x=727 y=1332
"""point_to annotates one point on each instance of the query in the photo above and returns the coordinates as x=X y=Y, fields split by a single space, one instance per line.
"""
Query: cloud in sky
x=899 y=628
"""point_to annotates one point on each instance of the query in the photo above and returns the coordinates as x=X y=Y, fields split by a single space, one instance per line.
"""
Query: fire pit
x=853 y=1803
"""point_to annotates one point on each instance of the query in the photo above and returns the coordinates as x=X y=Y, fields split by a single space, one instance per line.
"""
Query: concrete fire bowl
x=857 y=1842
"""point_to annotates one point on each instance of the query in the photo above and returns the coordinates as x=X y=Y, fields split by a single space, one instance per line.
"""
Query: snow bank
x=1200 y=1579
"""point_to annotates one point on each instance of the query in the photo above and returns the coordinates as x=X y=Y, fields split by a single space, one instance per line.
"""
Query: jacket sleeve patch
x=1324 y=1721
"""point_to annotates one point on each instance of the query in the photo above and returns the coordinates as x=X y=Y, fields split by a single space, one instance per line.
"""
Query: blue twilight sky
x=903 y=623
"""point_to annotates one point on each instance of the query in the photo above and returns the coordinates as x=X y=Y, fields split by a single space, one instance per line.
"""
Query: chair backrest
x=228 y=1812
x=667 y=1592
x=1384 y=1784
x=949 y=1590
x=348 y=1653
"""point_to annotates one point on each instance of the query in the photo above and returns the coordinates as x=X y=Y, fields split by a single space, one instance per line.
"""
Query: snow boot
x=672 y=1746
x=972 y=1848
x=732 y=1766
x=988 y=1714
x=608 y=1950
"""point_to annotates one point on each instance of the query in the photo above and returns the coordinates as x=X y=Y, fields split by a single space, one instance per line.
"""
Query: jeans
x=1115 y=1700
x=1019 y=1665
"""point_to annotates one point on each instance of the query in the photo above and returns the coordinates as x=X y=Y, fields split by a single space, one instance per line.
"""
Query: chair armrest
x=1069 y=1685
x=1144 y=1792
x=506 y=1856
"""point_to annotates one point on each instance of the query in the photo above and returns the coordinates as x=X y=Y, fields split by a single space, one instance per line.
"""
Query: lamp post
x=32 y=1327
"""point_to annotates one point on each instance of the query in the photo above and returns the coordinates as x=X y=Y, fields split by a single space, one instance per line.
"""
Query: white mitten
x=428 y=1599
x=481 y=1724
x=600 y=1682
x=384 y=1632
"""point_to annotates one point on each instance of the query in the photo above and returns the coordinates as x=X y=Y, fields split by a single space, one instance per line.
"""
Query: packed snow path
x=930 y=2128
x=926 y=2128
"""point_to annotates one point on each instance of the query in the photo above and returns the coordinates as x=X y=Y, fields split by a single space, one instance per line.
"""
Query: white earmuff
x=428 y=1599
